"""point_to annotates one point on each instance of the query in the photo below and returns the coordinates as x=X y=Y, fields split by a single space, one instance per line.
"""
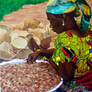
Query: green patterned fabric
x=74 y=43
x=86 y=14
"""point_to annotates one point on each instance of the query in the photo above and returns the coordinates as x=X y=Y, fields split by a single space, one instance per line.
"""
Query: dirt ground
x=29 y=11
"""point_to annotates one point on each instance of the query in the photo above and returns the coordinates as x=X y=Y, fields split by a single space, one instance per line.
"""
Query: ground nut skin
x=36 y=77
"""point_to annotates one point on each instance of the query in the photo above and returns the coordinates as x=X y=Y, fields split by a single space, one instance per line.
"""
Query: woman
x=61 y=15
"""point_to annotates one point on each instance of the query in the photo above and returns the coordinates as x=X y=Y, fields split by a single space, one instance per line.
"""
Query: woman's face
x=56 y=22
x=65 y=22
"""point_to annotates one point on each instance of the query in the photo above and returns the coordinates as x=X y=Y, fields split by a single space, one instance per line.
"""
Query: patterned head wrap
x=66 y=6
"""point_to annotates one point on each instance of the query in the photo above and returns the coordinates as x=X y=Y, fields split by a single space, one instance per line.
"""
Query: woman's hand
x=38 y=54
x=32 y=57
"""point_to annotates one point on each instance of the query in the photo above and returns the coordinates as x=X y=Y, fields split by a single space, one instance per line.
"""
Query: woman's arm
x=38 y=54
x=47 y=52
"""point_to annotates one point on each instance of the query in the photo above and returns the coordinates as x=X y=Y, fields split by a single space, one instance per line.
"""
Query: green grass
x=8 y=6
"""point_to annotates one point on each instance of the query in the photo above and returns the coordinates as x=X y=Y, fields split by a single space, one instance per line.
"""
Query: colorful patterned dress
x=71 y=48
x=76 y=50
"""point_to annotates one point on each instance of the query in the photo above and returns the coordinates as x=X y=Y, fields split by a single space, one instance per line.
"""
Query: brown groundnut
x=37 y=77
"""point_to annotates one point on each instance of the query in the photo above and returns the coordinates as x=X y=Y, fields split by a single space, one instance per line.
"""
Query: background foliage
x=8 y=6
